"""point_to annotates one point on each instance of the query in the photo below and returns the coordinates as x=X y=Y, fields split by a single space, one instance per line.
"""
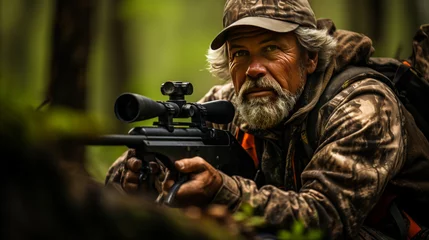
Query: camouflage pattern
x=296 y=11
x=362 y=150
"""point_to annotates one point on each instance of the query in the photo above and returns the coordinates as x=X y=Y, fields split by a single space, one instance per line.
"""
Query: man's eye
x=240 y=53
x=271 y=48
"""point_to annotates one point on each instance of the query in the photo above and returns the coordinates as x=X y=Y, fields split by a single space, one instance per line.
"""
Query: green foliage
x=298 y=233
x=245 y=215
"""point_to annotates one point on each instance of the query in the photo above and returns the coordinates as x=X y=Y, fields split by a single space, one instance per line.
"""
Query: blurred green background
x=134 y=45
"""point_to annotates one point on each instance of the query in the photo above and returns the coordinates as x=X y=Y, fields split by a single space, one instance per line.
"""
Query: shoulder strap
x=338 y=83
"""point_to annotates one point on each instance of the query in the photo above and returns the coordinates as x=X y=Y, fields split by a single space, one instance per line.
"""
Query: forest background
x=80 y=55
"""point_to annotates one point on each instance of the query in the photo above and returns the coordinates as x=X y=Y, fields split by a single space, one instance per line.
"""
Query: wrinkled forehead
x=244 y=32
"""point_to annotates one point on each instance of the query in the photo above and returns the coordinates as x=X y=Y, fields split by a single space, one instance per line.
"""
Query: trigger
x=169 y=200
x=145 y=171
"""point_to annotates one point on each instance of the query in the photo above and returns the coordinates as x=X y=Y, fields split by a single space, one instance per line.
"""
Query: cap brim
x=262 y=22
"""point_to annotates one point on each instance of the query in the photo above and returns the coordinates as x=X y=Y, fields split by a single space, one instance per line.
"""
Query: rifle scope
x=131 y=107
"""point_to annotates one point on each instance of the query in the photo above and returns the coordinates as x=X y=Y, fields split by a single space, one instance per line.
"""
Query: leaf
x=284 y=235
x=247 y=209
x=256 y=221
x=314 y=235
x=239 y=216
x=298 y=228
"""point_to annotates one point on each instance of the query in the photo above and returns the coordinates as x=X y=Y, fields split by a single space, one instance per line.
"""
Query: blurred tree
x=386 y=21
x=71 y=39
x=391 y=24
x=70 y=48
x=368 y=12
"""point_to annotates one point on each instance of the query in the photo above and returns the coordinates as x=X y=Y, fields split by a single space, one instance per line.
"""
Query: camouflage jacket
x=368 y=147
x=361 y=152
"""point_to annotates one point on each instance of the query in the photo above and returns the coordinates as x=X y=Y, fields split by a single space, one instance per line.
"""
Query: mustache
x=261 y=83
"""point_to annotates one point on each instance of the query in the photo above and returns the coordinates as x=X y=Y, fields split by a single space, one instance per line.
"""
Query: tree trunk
x=70 y=49
x=71 y=39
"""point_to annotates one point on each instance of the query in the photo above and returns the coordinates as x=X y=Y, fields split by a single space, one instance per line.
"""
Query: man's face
x=268 y=74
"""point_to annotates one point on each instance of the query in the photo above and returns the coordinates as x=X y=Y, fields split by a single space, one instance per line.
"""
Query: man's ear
x=312 y=59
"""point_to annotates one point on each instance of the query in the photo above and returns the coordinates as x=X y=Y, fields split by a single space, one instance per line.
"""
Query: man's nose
x=256 y=70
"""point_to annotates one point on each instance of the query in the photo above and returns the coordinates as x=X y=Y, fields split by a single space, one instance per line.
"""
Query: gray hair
x=313 y=40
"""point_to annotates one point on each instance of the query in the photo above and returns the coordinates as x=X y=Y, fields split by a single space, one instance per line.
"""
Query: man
x=278 y=60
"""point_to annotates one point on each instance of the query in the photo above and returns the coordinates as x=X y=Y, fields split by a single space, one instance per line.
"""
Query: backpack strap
x=399 y=220
x=338 y=83
x=413 y=93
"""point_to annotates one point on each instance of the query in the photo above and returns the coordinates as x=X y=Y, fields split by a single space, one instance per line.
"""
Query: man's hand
x=125 y=172
x=133 y=169
x=204 y=182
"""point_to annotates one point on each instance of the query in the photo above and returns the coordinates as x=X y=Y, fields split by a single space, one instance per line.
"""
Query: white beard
x=266 y=112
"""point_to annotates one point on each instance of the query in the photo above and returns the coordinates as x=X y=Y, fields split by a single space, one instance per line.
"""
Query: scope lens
x=131 y=110
x=126 y=108
x=167 y=88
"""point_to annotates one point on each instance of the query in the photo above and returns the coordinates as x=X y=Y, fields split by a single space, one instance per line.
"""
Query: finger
x=201 y=188
x=154 y=167
x=189 y=165
x=191 y=193
x=130 y=187
x=131 y=177
x=131 y=153
x=134 y=164
x=118 y=174
x=130 y=182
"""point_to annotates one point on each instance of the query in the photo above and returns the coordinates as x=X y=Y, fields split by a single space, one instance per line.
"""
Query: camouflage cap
x=274 y=15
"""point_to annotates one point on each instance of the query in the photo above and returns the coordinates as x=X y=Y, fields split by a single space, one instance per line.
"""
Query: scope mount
x=176 y=90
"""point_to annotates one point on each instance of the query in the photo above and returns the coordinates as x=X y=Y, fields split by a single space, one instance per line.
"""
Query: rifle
x=169 y=141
